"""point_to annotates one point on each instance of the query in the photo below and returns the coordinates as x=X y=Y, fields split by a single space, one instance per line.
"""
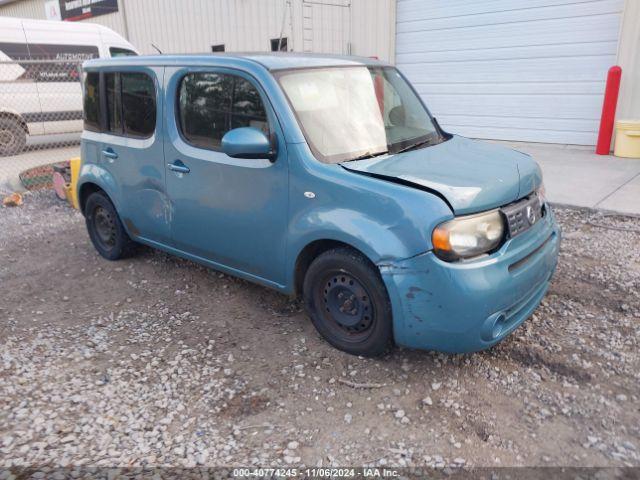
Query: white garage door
x=531 y=70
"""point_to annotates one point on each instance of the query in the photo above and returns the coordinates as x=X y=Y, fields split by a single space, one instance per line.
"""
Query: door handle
x=179 y=167
x=109 y=153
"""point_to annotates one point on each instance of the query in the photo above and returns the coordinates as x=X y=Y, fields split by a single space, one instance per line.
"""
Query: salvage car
x=320 y=176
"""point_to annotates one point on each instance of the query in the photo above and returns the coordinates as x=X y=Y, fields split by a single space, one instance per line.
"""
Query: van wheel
x=13 y=138
x=348 y=303
x=105 y=228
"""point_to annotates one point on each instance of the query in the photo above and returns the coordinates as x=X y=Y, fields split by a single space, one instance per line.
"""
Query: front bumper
x=469 y=306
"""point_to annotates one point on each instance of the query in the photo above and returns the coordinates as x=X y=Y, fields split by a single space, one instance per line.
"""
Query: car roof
x=270 y=61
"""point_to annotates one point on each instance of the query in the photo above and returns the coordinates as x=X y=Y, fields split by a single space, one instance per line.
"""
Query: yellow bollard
x=70 y=188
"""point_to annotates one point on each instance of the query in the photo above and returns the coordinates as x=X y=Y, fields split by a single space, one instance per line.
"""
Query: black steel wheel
x=348 y=302
x=13 y=137
x=105 y=228
x=347 y=305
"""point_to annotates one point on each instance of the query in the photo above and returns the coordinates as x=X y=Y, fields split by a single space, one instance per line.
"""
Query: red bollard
x=608 y=110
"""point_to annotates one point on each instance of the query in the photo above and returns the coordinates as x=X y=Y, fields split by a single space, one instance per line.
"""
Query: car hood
x=472 y=176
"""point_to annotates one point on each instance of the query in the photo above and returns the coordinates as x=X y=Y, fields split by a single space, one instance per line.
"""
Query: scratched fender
x=97 y=175
x=384 y=220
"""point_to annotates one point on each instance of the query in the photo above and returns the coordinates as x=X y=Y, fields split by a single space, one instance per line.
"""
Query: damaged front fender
x=468 y=306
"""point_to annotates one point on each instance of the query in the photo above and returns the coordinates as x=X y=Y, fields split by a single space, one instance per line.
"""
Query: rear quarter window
x=92 y=102
x=138 y=95
x=114 y=104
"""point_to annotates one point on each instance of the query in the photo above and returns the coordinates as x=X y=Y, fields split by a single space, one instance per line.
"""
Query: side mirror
x=247 y=142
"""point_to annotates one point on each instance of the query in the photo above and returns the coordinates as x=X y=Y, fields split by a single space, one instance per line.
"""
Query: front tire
x=13 y=137
x=348 y=303
x=105 y=228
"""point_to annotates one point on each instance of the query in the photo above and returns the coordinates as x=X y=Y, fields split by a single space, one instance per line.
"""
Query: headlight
x=469 y=236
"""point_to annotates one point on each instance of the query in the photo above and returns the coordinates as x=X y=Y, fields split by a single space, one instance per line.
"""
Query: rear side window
x=130 y=103
x=211 y=104
x=92 y=101
x=138 y=95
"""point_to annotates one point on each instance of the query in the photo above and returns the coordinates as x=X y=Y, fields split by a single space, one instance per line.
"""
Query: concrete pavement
x=576 y=176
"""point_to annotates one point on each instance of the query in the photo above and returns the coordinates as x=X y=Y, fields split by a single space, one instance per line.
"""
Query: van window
x=114 y=106
x=92 y=102
x=138 y=95
x=121 y=52
x=211 y=104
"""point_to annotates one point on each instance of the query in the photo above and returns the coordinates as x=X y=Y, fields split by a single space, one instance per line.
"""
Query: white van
x=45 y=98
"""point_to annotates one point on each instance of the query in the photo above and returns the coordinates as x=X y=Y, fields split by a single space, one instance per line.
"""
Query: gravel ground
x=158 y=361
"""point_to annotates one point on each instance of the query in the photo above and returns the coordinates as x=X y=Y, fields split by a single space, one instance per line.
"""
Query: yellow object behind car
x=70 y=189
x=627 y=139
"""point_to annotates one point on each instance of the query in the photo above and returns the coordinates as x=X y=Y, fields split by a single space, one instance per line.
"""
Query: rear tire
x=105 y=228
x=13 y=137
x=348 y=303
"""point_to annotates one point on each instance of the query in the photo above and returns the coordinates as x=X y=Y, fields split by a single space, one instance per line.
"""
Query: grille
x=523 y=214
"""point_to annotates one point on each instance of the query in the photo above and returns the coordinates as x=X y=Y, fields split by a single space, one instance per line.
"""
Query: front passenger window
x=211 y=104
x=248 y=110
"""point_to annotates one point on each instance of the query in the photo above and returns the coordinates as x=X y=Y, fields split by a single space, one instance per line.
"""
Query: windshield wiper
x=428 y=141
x=367 y=155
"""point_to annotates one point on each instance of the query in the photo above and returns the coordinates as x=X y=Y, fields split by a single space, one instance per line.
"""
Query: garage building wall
x=26 y=9
x=531 y=70
x=360 y=27
x=35 y=9
x=629 y=60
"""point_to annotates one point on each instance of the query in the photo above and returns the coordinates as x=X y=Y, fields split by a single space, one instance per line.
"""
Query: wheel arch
x=318 y=230
x=311 y=251
x=85 y=190
x=94 y=178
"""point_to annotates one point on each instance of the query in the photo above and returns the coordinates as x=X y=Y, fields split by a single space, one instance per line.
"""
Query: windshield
x=348 y=113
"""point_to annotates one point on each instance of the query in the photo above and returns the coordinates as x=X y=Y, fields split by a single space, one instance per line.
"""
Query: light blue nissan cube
x=319 y=176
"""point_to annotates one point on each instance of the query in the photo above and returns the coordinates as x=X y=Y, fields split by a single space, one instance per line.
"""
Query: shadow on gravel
x=528 y=356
